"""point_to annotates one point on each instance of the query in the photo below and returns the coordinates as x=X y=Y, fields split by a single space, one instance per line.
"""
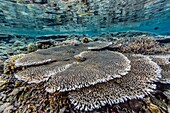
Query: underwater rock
x=14 y=44
x=167 y=94
x=136 y=105
x=16 y=91
x=153 y=108
x=86 y=40
x=164 y=40
x=18 y=43
x=53 y=37
x=4 y=35
x=10 y=51
x=68 y=42
x=165 y=74
x=8 y=109
x=39 y=1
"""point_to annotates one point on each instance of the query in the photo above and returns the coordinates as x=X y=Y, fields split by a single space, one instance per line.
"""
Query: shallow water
x=87 y=17
x=54 y=54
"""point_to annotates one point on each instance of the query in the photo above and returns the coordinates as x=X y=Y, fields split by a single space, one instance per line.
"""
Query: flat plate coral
x=136 y=84
x=98 y=67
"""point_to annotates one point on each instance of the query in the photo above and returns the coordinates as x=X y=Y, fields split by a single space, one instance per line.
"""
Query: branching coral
x=9 y=65
x=136 y=84
x=142 y=46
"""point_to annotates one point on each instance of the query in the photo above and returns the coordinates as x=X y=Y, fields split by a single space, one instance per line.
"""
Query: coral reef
x=41 y=73
x=91 y=71
x=88 y=76
x=9 y=65
x=29 y=98
x=44 y=44
x=136 y=84
x=142 y=46
x=98 y=45
x=42 y=56
x=31 y=47
x=71 y=74
x=164 y=62
x=62 y=52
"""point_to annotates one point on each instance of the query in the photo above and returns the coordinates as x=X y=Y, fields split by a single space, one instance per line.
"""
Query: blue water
x=40 y=19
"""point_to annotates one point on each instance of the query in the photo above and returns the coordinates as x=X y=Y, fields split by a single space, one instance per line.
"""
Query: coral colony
x=93 y=74
x=94 y=56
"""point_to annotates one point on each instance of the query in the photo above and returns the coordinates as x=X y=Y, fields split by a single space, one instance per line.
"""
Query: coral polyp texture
x=59 y=53
x=90 y=71
x=9 y=64
x=136 y=84
x=41 y=73
x=164 y=62
x=160 y=59
x=43 y=56
x=142 y=46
